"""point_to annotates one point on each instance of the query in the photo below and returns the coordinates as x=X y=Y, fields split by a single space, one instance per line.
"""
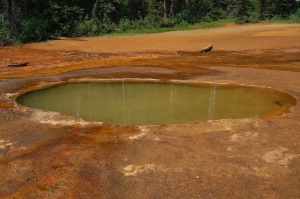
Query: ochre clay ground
x=49 y=155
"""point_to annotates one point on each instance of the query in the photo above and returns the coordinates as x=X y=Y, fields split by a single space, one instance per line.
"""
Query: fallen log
x=19 y=64
x=207 y=49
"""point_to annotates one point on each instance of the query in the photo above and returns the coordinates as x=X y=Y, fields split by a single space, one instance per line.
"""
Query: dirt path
x=256 y=46
x=49 y=155
x=231 y=37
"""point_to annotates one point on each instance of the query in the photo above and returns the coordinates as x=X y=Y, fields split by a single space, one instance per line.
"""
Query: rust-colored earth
x=49 y=155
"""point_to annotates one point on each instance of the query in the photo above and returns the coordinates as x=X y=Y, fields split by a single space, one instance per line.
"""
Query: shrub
x=169 y=23
x=149 y=22
x=295 y=18
x=125 y=25
x=187 y=15
x=4 y=38
x=34 y=29
x=63 y=19
x=88 y=27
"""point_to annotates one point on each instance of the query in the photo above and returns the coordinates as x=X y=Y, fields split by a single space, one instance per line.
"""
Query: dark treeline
x=36 y=20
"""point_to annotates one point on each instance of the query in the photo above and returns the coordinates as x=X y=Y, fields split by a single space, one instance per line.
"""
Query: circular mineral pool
x=157 y=103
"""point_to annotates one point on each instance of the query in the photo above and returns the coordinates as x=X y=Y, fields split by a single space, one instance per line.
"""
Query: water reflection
x=155 y=103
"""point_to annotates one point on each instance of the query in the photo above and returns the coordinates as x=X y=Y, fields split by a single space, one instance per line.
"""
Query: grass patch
x=182 y=26
x=294 y=18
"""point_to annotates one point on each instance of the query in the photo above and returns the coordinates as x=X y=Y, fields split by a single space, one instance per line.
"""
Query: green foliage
x=242 y=11
x=269 y=9
x=155 y=10
x=4 y=40
x=87 y=27
x=148 y=22
x=5 y=37
x=295 y=18
x=168 y=23
x=34 y=29
x=134 y=9
x=63 y=19
x=36 y=20
x=190 y=14
x=125 y=25
x=213 y=24
x=91 y=27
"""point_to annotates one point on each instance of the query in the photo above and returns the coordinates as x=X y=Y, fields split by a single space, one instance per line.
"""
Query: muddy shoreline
x=50 y=155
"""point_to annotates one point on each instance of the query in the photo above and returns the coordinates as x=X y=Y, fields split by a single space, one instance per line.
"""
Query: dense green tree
x=136 y=9
x=35 y=20
x=155 y=9
x=62 y=19
x=8 y=19
x=271 y=8
x=242 y=10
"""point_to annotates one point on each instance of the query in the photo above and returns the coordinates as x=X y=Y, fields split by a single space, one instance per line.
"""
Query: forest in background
x=36 y=20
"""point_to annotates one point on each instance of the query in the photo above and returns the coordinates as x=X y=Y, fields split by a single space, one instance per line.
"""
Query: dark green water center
x=156 y=103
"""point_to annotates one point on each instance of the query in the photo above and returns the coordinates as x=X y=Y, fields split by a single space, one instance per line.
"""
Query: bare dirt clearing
x=230 y=37
x=49 y=155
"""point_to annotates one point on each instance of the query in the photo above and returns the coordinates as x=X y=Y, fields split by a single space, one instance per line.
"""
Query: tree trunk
x=172 y=7
x=94 y=10
x=8 y=11
x=165 y=9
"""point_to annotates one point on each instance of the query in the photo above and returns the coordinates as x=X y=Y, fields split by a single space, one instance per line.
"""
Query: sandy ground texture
x=49 y=155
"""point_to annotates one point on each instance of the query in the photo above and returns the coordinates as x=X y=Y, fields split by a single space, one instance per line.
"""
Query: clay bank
x=46 y=154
